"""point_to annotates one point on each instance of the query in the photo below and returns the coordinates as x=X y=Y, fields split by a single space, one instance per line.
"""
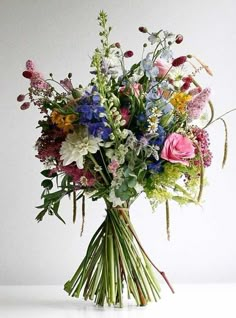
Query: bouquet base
x=115 y=258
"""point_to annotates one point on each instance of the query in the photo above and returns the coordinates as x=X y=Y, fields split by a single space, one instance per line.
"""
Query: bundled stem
x=115 y=258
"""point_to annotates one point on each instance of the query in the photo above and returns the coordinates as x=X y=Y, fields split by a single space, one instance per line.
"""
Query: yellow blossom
x=180 y=100
x=63 y=121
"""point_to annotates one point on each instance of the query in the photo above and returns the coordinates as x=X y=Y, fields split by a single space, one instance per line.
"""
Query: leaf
x=55 y=211
x=45 y=173
x=47 y=183
x=41 y=215
x=53 y=196
x=132 y=182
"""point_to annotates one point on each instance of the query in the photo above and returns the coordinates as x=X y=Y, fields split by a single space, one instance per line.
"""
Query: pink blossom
x=79 y=176
x=30 y=66
x=136 y=87
x=125 y=114
x=36 y=78
x=202 y=138
x=195 y=91
x=113 y=166
x=198 y=103
x=162 y=66
x=177 y=149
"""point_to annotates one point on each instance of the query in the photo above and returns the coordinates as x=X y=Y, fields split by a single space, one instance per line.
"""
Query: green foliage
x=177 y=182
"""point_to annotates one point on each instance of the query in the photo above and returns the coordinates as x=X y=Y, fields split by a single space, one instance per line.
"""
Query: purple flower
x=66 y=83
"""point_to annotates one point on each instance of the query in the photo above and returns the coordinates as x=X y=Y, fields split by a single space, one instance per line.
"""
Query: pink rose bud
x=27 y=74
x=162 y=66
x=143 y=29
x=178 y=149
x=128 y=54
x=179 y=61
x=25 y=106
x=117 y=44
x=179 y=38
x=20 y=98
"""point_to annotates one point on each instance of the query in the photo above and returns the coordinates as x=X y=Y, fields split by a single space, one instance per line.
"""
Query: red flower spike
x=27 y=74
x=20 y=98
x=142 y=29
x=128 y=54
x=179 y=38
x=25 y=106
x=179 y=61
x=185 y=86
x=187 y=79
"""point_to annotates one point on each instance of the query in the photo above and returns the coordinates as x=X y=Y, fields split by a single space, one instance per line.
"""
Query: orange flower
x=63 y=122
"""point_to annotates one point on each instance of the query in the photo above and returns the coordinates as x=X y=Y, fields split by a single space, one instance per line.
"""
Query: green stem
x=100 y=171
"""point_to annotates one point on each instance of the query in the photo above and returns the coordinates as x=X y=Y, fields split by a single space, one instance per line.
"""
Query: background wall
x=60 y=36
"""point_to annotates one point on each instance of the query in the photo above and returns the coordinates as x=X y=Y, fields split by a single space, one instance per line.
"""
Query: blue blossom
x=99 y=130
x=159 y=140
x=148 y=67
x=156 y=167
x=167 y=54
x=92 y=114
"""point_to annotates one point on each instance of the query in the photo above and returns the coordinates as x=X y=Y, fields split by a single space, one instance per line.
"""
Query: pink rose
x=178 y=148
x=162 y=66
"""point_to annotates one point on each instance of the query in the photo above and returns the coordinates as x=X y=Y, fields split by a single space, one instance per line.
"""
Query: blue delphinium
x=159 y=140
x=92 y=115
x=157 y=166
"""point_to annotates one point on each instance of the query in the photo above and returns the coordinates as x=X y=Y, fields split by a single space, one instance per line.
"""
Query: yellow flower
x=179 y=101
x=63 y=121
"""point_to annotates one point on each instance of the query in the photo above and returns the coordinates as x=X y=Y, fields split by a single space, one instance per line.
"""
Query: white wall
x=60 y=36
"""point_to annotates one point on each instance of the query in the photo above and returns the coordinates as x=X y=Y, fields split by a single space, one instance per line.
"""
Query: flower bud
x=27 y=74
x=117 y=44
x=143 y=29
x=179 y=38
x=179 y=61
x=187 y=79
x=185 y=86
x=20 y=98
x=69 y=75
x=25 y=106
x=128 y=54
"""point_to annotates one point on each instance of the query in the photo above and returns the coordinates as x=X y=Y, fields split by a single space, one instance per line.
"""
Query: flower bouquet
x=130 y=131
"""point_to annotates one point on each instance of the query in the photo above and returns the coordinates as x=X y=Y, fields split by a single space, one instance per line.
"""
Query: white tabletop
x=189 y=301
